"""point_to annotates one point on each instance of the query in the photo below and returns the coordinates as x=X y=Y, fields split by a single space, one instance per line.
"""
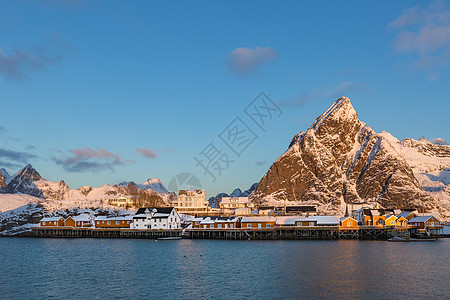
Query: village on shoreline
x=189 y=216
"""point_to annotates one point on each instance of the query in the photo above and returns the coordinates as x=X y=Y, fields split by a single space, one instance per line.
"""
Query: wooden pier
x=293 y=233
x=277 y=233
x=69 y=232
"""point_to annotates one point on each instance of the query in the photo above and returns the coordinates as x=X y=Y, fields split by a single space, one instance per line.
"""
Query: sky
x=101 y=92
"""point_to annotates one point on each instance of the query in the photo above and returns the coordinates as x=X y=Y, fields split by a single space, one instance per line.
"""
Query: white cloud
x=424 y=33
x=246 y=60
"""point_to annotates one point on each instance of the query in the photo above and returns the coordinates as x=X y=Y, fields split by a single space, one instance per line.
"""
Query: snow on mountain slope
x=430 y=163
x=13 y=201
x=437 y=141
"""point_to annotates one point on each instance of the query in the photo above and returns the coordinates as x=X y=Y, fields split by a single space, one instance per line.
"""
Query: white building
x=239 y=205
x=156 y=218
x=191 y=201
x=123 y=201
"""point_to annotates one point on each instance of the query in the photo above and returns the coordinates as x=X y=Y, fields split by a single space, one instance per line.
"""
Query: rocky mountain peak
x=338 y=160
x=28 y=172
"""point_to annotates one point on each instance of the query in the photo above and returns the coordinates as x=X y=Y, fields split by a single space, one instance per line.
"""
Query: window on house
x=268 y=225
x=219 y=225
x=311 y=223
x=231 y=225
x=249 y=225
x=117 y=222
x=109 y=222
x=43 y=223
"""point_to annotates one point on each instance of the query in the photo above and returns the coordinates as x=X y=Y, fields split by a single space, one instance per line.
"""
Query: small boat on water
x=169 y=238
x=406 y=239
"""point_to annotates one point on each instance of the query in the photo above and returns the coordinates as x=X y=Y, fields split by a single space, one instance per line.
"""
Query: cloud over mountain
x=88 y=159
x=13 y=159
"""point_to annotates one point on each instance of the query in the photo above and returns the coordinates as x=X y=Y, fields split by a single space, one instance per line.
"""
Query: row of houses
x=263 y=222
x=389 y=217
x=167 y=218
x=419 y=222
x=161 y=218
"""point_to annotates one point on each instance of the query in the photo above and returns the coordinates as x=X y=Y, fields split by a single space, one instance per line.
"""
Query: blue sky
x=97 y=92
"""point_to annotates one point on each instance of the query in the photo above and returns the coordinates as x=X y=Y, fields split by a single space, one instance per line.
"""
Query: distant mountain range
x=29 y=181
x=339 y=159
x=214 y=201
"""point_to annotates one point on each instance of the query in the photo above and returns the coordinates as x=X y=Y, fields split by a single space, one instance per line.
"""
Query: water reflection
x=199 y=269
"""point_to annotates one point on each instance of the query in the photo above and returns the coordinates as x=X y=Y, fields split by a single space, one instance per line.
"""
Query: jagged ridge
x=340 y=159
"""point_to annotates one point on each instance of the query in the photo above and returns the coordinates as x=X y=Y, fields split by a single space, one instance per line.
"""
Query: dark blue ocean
x=38 y=268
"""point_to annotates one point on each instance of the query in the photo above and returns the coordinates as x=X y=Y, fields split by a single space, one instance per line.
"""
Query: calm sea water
x=33 y=268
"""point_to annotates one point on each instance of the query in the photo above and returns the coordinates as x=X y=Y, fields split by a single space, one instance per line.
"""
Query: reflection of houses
x=113 y=222
x=52 y=222
x=191 y=201
x=238 y=205
x=123 y=201
x=156 y=218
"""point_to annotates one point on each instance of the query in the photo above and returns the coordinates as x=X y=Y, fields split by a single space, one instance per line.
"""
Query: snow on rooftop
x=420 y=219
x=121 y=218
x=257 y=219
x=51 y=219
x=288 y=220
x=325 y=220
x=82 y=218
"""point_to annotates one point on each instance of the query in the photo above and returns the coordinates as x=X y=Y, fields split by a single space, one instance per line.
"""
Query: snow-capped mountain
x=152 y=183
x=23 y=182
x=29 y=181
x=340 y=159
